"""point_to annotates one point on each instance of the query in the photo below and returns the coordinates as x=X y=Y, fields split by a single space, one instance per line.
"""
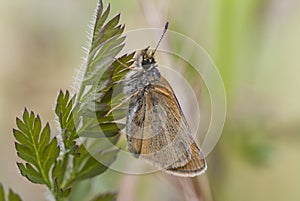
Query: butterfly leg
x=127 y=67
x=121 y=103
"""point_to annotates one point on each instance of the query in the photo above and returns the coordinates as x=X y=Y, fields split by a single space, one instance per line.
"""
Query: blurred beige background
x=255 y=44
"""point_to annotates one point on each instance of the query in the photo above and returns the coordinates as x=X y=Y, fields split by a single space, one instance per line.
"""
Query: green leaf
x=101 y=17
x=2 y=194
x=63 y=193
x=50 y=154
x=102 y=126
x=90 y=169
x=45 y=137
x=30 y=173
x=66 y=112
x=13 y=196
x=111 y=129
x=66 y=192
x=106 y=197
x=107 y=42
x=20 y=137
x=100 y=103
x=36 y=129
x=23 y=128
x=59 y=170
x=102 y=130
x=26 y=154
x=58 y=167
x=35 y=147
x=87 y=166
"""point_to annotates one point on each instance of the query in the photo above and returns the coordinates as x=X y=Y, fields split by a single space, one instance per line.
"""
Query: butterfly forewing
x=156 y=128
x=135 y=123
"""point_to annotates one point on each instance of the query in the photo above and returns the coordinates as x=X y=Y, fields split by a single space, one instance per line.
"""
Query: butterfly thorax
x=145 y=75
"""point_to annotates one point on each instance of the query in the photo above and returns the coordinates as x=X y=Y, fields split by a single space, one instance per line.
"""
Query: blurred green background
x=255 y=44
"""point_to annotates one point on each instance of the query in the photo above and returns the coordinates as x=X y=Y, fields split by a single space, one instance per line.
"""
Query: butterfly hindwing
x=194 y=167
x=157 y=129
x=135 y=123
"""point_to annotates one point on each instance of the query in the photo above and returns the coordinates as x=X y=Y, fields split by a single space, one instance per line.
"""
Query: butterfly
x=156 y=127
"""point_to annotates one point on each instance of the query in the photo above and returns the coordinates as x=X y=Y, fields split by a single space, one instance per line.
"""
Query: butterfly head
x=146 y=57
x=147 y=60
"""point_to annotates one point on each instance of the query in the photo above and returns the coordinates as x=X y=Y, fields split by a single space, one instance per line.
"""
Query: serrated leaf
x=65 y=111
x=30 y=173
x=108 y=80
x=63 y=106
x=119 y=68
x=107 y=48
x=113 y=22
x=105 y=125
x=13 y=196
x=33 y=175
x=22 y=169
x=106 y=43
x=68 y=110
x=100 y=19
x=40 y=151
x=35 y=147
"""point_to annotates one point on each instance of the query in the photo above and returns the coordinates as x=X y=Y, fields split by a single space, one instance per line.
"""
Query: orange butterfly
x=156 y=128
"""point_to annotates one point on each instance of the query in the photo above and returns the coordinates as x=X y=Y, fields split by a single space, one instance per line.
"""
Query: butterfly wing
x=196 y=165
x=135 y=123
x=157 y=130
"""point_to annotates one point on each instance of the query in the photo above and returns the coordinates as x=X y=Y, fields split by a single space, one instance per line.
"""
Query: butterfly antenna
x=165 y=29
